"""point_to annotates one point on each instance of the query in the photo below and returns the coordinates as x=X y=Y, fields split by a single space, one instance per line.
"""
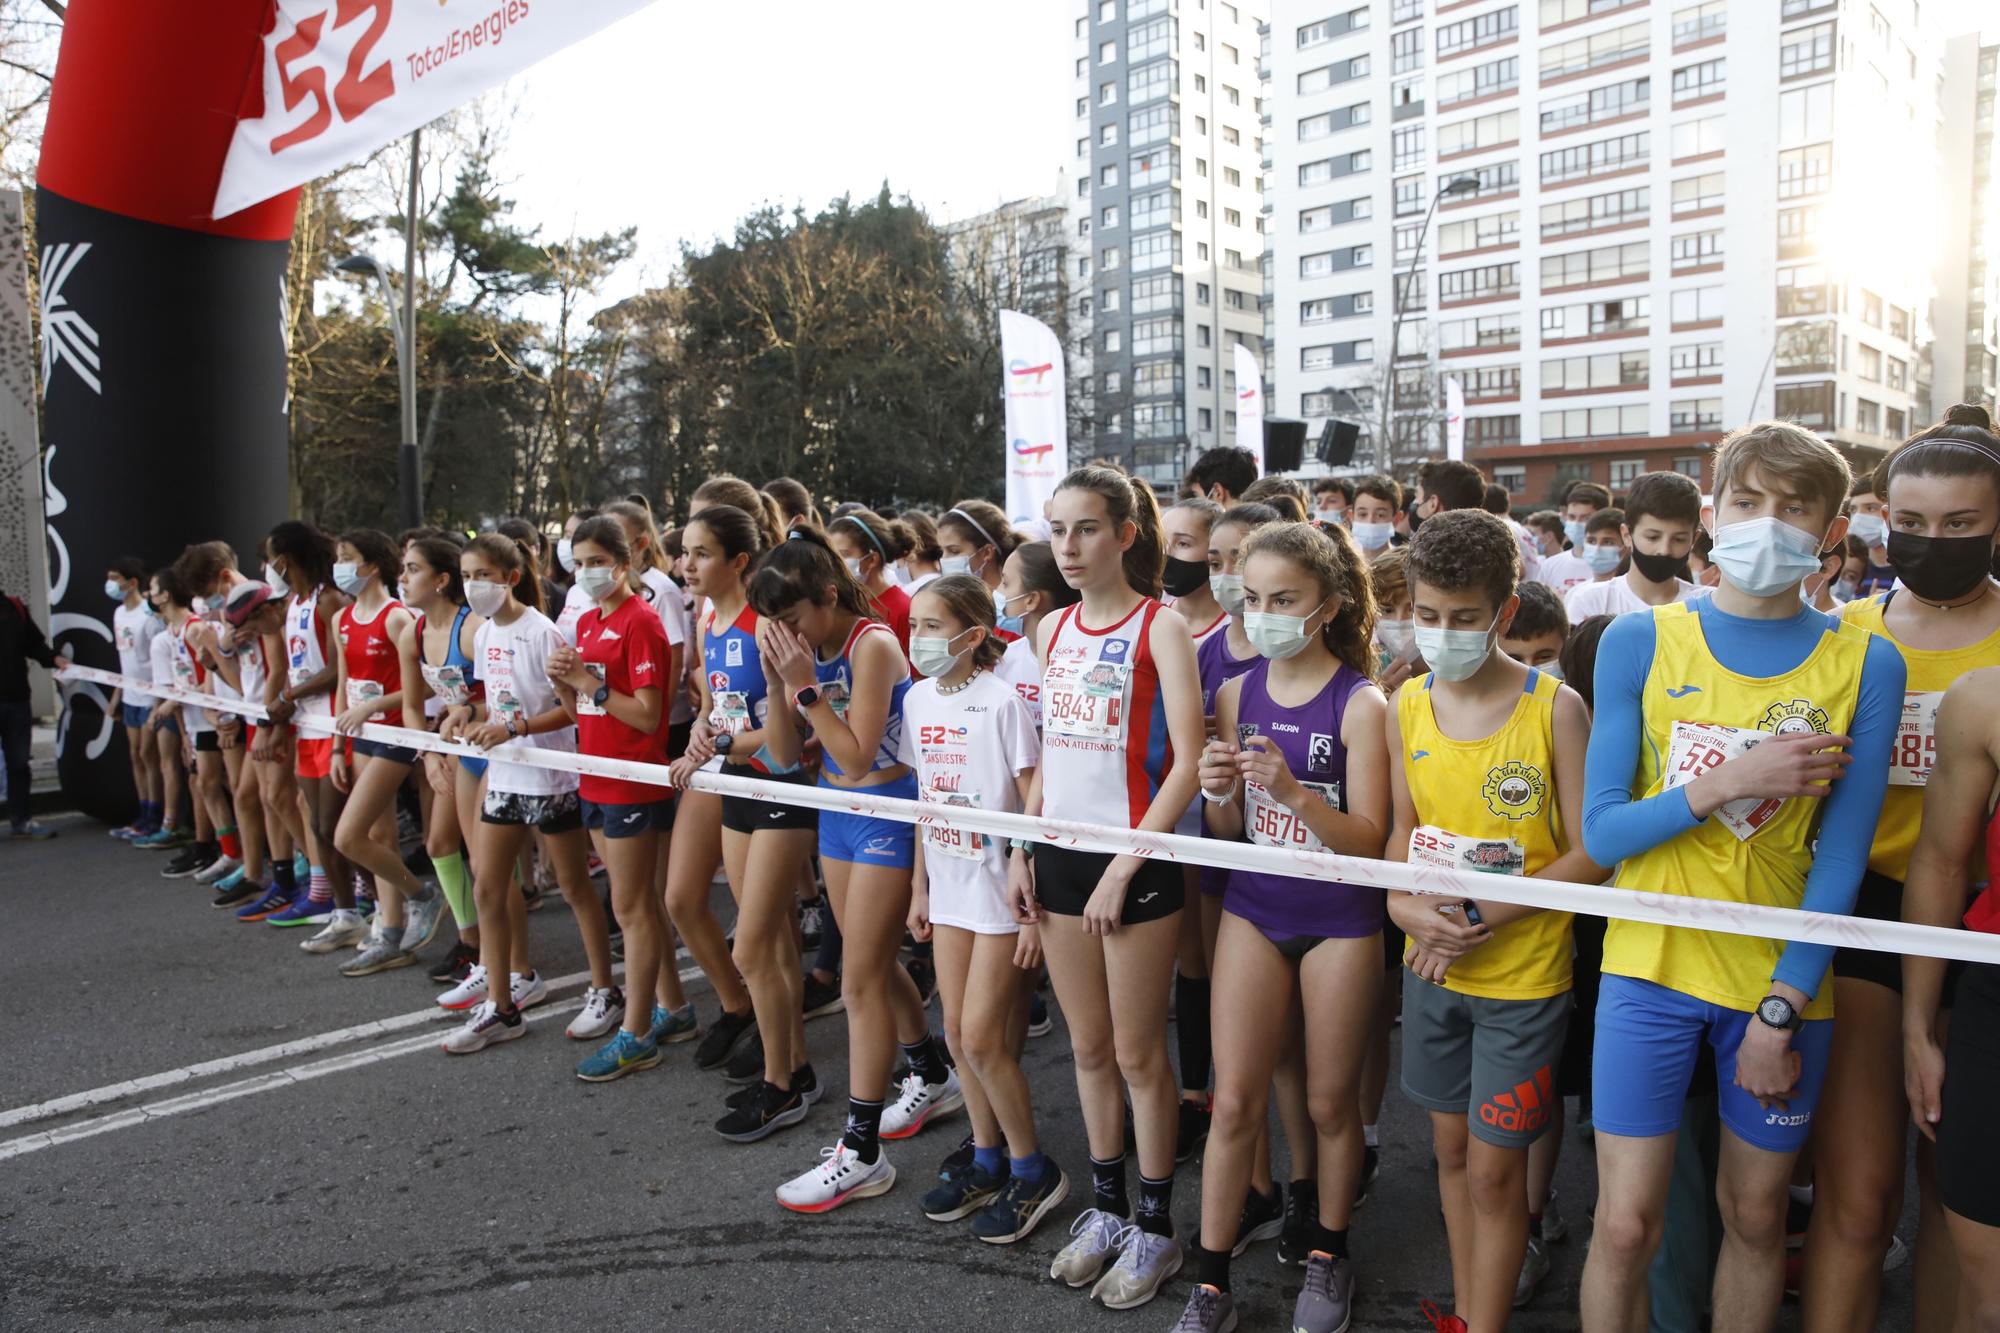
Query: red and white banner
x=340 y=78
x=1037 y=413
x=1249 y=404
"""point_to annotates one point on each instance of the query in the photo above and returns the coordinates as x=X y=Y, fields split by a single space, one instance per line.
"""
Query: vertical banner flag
x=337 y=79
x=1249 y=404
x=1037 y=413
x=1454 y=417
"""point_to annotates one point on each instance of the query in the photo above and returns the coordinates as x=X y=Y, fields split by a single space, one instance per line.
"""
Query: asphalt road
x=373 y=1182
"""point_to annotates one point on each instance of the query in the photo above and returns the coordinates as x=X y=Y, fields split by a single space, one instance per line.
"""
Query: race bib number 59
x=1701 y=747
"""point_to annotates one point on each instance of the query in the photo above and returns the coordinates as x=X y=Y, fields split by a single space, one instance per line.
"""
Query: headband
x=975 y=526
x=870 y=533
x=1981 y=447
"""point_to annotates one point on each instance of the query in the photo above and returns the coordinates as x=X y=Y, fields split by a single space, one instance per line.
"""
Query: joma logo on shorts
x=1801 y=1118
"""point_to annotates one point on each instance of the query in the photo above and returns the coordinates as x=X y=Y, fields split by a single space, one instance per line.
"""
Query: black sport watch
x=724 y=741
x=601 y=696
x=1776 y=1011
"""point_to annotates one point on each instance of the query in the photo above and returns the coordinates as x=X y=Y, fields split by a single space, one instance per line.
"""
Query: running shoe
x=1301 y=1216
x=671 y=1027
x=1326 y=1301
x=1021 y=1206
x=1209 y=1310
x=811 y=924
x=380 y=952
x=232 y=879
x=271 y=900
x=128 y=832
x=771 y=1109
x=343 y=930
x=469 y=992
x=1094 y=1240
x=454 y=966
x=1371 y=1167
x=1192 y=1130
x=620 y=1056
x=1554 y=1229
x=1263 y=1218
x=842 y=1176
x=529 y=990
x=1039 y=1022
x=803 y=1079
x=919 y=1103
x=962 y=1191
x=236 y=891
x=1145 y=1262
x=220 y=867
x=722 y=1039
x=747 y=1065
x=822 y=998
x=1440 y=1321
x=1534 y=1268
x=487 y=1027
x=187 y=862
x=924 y=972
x=421 y=917
x=595 y=865
x=161 y=839
x=302 y=911
x=602 y=1011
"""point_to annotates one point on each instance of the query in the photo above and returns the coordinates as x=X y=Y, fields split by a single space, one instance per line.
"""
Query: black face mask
x=1941 y=569
x=1659 y=568
x=1184 y=576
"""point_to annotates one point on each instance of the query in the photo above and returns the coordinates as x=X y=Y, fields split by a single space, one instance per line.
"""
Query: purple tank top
x=1309 y=738
x=1218 y=668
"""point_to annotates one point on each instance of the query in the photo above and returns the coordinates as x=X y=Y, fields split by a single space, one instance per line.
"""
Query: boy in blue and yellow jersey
x=1487 y=775
x=1739 y=753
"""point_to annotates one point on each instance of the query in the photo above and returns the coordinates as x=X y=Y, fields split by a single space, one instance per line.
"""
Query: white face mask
x=1455 y=654
x=485 y=598
x=402 y=592
x=1276 y=636
x=1397 y=637
x=1373 y=536
x=853 y=563
x=113 y=591
x=275 y=580
x=566 y=556
x=1331 y=516
x=597 y=581
x=956 y=564
x=347 y=577
x=933 y=656
x=1553 y=670
x=1573 y=529
x=1869 y=528
x=1228 y=592
x=1601 y=559
x=1764 y=556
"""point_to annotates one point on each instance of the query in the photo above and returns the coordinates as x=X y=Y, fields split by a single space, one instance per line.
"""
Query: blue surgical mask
x=1764 y=556
x=1601 y=559
x=1277 y=636
x=1870 y=528
x=1454 y=654
x=1011 y=624
x=1372 y=536
x=347 y=577
x=113 y=591
x=1573 y=529
x=956 y=564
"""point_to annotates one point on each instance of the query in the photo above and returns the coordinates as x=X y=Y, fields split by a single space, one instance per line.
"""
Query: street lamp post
x=403 y=324
x=1457 y=185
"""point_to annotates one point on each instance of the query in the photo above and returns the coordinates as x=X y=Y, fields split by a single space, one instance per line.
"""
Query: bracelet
x=1018 y=845
x=1223 y=799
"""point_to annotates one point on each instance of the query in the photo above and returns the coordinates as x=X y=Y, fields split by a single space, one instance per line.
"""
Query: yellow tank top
x=1931 y=673
x=1759 y=854
x=1500 y=790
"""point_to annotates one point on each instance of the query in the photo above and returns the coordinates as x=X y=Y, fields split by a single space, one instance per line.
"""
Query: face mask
x=566 y=556
x=934 y=657
x=1601 y=559
x=347 y=577
x=1332 y=516
x=1397 y=637
x=1763 y=556
x=113 y=591
x=485 y=598
x=275 y=581
x=1941 y=569
x=1012 y=624
x=1455 y=654
x=853 y=564
x=402 y=592
x=1278 y=637
x=956 y=564
x=1227 y=589
x=1845 y=590
x=1553 y=670
x=1573 y=529
x=1184 y=576
x=1656 y=568
x=597 y=581
x=1373 y=536
x=1870 y=528
x=199 y=606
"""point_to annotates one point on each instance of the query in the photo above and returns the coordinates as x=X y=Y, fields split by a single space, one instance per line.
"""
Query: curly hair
x=1465 y=548
x=1541 y=612
x=1389 y=575
x=1335 y=563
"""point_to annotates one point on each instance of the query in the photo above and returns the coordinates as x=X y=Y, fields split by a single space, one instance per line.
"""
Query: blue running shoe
x=273 y=901
x=671 y=1027
x=619 y=1057
x=302 y=911
x=161 y=839
x=232 y=879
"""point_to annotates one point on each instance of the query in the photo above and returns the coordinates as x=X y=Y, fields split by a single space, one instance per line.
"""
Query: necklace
x=954 y=689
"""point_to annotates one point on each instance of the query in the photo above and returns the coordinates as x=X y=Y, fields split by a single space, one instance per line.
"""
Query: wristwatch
x=1776 y=1011
x=724 y=741
x=805 y=696
x=601 y=696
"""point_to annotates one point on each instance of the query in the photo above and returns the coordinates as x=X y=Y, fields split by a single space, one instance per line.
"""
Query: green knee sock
x=457 y=888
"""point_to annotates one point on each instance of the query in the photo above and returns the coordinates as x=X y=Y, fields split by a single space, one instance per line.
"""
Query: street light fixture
x=403 y=322
x=1455 y=186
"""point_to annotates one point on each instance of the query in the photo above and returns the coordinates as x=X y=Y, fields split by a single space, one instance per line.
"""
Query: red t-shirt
x=893 y=609
x=627 y=651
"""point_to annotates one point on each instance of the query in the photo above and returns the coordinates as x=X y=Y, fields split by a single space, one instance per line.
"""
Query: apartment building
x=1966 y=357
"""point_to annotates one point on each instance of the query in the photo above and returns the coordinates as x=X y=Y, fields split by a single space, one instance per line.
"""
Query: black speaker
x=1284 y=444
x=1336 y=443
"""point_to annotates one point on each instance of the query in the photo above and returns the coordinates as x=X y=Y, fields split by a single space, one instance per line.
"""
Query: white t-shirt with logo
x=1564 y=570
x=512 y=661
x=967 y=749
x=1614 y=597
x=134 y=628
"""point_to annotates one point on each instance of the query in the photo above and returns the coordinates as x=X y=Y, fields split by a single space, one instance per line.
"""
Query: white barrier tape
x=1733 y=918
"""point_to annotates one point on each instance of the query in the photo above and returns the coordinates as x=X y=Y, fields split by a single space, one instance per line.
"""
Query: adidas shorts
x=1492 y=1061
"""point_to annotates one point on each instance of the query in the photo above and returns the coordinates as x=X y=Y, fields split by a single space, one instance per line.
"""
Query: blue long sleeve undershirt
x=1616 y=826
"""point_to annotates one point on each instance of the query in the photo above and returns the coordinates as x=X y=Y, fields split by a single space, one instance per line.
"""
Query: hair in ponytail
x=516 y=557
x=888 y=539
x=982 y=524
x=1335 y=562
x=794 y=501
x=440 y=556
x=801 y=569
x=638 y=521
x=1962 y=445
x=923 y=536
x=728 y=490
x=1131 y=502
x=970 y=602
x=375 y=548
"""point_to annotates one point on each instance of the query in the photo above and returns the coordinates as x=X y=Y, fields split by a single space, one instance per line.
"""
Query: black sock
x=926 y=1060
x=1156 y=1205
x=1212 y=1267
x=1330 y=1242
x=1107 y=1186
x=864 y=1129
x=1191 y=1031
x=281 y=874
x=1535 y=1226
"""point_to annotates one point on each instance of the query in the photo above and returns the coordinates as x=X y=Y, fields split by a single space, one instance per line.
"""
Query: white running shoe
x=468 y=993
x=1145 y=1262
x=840 y=1176
x=221 y=867
x=529 y=990
x=345 y=929
x=1082 y=1261
x=919 y=1102
x=602 y=1011
x=485 y=1028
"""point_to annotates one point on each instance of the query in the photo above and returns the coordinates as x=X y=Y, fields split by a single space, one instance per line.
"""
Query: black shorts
x=677 y=739
x=1881 y=899
x=395 y=754
x=207 y=742
x=1968 y=1150
x=1065 y=879
x=1573 y=1079
x=746 y=814
x=618 y=820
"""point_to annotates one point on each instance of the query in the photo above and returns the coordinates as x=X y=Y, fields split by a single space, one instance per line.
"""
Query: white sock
x=1368 y=1136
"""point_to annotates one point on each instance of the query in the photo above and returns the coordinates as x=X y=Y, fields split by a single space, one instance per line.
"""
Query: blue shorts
x=1647 y=1038
x=629 y=821
x=135 y=715
x=866 y=840
x=476 y=767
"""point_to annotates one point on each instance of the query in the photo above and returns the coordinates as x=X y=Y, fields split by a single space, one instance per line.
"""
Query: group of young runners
x=1668 y=707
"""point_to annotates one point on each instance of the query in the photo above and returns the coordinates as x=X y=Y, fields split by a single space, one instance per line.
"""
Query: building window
x=1109 y=300
x=1615 y=209
x=1409 y=196
x=1152 y=251
x=1154 y=168
x=1108 y=217
x=1513 y=480
x=1803 y=290
x=1575 y=110
x=1107 y=94
x=1700 y=23
x=1867 y=416
x=1896 y=372
x=1695 y=248
x=1477 y=284
x=1693 y=361
x=1811 y=405
x=1493 y=178
x=1151 y=337
x=1484 y=80
x=1479 y=233
x=1493 y=433
x=1108 y=257
x=1581 y=161
x=1608 y=371
x=1695 y=194
x=1798 y=231
x=1149 y=81
x=1807 y=50
x=1486 y=383
x=1153 y=125
x=1113 y=340
x=1595 y=51
x=1690 y=466
x=1491 y=131
x=1805 y=171
x=1205 y=420
x=1697 y=305
x=1486 y=333
x=1107 y=135
x=1325 y=356
x=1579 y=423
x=1482 y=30
x=1406 y=50
x=1698 y=138
x=1868 y=363
x=1150 y=295
x=1704 y=79
x=1804 y=348
x=1407 y=147
x=1595 y=319
x=1805 y=114
x=1159 y=208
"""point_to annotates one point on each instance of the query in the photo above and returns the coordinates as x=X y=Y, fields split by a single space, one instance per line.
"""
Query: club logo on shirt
x=1113 y=650
x=1793 y=717
x=1319 y=752
x=1515 y=790
x=732 y=653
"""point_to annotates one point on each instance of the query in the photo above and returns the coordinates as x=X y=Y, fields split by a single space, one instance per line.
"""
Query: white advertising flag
x=339 y=78
x=1037 y=413
x=1454 y=418
x=1249 y=404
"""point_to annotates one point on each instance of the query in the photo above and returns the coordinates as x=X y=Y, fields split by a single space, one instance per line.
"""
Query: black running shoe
x=1192 y=1131
x=770 y=1110
x=962 y=1191
x=812 y=915
x=924 y=973
x=1371 y=1166
x=721 y=1040
x=822 y=997
x=186 y=862
x=747 y=1065
x=1263 y=1218
x=1039 y=1022
x=961 y=1155
x=1301 y=1216
x=455 y=966
x=244 y=891
x=803 y=1080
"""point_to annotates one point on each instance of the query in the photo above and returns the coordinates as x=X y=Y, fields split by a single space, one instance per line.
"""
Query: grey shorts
x=1494 y=1062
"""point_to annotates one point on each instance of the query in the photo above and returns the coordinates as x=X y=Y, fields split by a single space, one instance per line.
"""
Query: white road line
x=249 y=1087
